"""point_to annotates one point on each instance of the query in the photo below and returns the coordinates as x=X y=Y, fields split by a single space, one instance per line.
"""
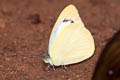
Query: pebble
x=34 y=18
x=2 y=23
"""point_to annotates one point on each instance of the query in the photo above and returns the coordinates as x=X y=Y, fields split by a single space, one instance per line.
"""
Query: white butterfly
x=70 y=42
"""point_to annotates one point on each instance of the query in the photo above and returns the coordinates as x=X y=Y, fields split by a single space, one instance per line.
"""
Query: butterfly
x=70 y=41
x=108 y=65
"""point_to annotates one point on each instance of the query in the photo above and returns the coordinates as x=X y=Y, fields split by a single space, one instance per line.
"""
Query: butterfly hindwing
x=72 y=45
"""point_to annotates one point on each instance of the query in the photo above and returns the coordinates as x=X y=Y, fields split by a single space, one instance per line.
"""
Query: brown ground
x=24 y=38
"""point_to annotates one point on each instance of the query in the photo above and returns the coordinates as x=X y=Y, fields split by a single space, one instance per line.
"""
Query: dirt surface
x=25 y=27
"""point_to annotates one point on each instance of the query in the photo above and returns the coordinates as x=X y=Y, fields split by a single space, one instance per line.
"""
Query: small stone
x=7 y=59
x=2 y=23
x=34 y=18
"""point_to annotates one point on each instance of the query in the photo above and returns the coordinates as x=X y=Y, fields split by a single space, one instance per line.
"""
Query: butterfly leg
x=53 y=67
x=64 y=67
x=48 y=67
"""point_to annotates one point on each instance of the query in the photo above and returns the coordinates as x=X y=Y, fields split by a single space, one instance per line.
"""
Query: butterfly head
x=48 y=60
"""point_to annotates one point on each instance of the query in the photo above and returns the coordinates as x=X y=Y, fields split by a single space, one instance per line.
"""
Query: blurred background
x=25 y=27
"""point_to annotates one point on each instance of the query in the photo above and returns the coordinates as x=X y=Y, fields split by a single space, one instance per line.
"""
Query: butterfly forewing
x=72 y=45
x=68 y=16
